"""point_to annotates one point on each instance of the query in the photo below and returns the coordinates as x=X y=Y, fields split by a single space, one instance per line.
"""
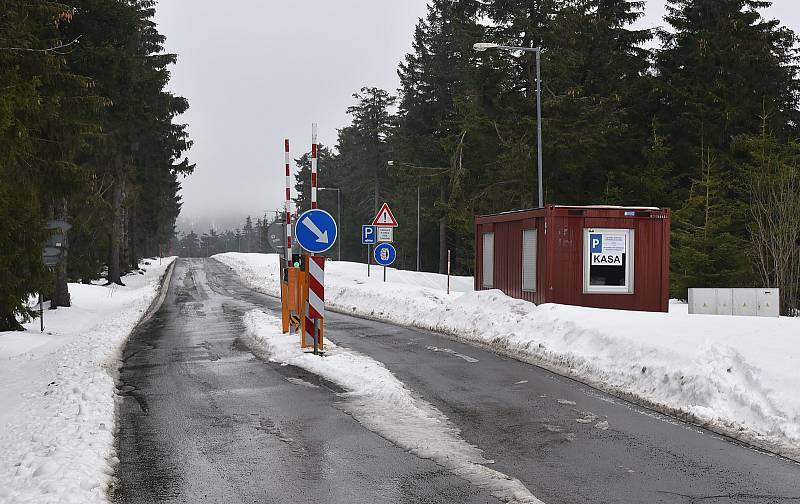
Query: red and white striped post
x=288 y=206
x=314 y=165
x=315 y=310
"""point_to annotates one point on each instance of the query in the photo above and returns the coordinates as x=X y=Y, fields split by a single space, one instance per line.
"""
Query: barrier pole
x=288 y=206
x=314 y=165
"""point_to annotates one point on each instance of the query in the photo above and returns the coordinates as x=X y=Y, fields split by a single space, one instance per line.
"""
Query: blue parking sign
x=596 y=243
x=369 y=235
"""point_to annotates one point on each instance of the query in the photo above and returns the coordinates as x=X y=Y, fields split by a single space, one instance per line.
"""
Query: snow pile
x=383 y=404
x=57 y=417
x=736 y=375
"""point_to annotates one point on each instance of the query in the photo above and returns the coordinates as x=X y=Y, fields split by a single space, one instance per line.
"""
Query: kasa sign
x=606 y=249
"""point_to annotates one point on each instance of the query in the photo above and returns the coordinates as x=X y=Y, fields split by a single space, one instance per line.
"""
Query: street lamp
x=483 y=46
x=338 y=217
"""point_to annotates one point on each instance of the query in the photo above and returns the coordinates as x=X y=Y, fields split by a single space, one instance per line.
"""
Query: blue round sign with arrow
x=385 y=254
x=316 y=231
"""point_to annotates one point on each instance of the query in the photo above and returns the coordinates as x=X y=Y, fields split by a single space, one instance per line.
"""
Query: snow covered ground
x=736 y=375
x=57 y=393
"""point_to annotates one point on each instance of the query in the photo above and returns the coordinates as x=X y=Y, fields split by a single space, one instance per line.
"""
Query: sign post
x=368 y=238
x=316 y=232
x=385 y=254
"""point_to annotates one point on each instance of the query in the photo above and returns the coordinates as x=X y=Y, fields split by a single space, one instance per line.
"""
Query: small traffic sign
x=385 y=234
x=276 y=234
x=385 y=217
x=385 y=254
x=368 y=235
x=316 y=231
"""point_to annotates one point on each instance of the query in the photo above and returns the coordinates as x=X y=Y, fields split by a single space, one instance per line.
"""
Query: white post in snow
x=448 y=272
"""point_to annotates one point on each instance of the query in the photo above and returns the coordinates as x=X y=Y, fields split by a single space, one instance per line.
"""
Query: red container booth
x=597 y=256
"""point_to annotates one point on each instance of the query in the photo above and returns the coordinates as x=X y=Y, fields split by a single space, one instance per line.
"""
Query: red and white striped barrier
x=316 y=287
x=315 y=311
x=314 y=165
x=288 y=205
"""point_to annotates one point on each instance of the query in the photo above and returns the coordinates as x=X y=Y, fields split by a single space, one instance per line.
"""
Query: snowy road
x=203 y=420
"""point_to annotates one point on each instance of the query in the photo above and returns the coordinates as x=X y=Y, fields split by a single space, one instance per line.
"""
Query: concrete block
x=769 y=304
x=703 y=301
x=745 y=302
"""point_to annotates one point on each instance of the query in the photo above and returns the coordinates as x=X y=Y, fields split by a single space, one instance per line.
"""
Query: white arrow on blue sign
x=316 y=231
x=385 y=254
x=368 y=235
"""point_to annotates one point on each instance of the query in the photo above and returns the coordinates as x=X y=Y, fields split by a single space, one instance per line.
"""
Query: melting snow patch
x=298 y=381
x=601 y=425
x=383 y=404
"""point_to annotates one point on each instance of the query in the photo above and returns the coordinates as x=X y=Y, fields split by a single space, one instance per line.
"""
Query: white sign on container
x=606 y=249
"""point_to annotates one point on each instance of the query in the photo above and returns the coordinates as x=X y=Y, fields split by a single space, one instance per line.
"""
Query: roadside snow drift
x=57 y=417
x=383 y=404
x=736 y=375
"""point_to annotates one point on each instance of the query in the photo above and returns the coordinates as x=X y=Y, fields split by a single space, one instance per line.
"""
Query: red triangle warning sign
x=385 y=217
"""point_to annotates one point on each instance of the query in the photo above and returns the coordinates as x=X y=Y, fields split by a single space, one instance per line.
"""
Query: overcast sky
x=258 y=71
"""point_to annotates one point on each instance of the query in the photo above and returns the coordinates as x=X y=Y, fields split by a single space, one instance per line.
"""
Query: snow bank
x=736 y=375
x=383 y=404
x=57 y=417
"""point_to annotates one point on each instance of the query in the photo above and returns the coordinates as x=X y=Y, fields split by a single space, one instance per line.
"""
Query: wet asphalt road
x=203 y=420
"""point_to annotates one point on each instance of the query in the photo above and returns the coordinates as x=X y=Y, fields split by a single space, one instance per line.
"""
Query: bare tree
x=775 y=225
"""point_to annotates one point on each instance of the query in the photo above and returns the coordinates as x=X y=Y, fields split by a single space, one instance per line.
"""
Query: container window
x=608 y=261
x=488 y=260
x=529 y=237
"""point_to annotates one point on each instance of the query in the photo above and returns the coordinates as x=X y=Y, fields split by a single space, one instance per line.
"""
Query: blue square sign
x=596 y=243
x=369 y=235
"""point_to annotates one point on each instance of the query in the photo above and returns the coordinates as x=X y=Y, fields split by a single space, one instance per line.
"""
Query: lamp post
x=429 y=168
x=338 y=217
x=483 y=46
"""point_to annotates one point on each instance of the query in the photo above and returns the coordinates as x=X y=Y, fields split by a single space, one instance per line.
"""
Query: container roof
x=581 y=207
x=612 y=207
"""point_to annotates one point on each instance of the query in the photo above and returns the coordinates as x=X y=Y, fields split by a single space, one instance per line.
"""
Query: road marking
x=521 y=382
x=467 y=358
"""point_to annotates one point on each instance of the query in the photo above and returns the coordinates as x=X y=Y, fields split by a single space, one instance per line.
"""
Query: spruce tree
x=724 y=72
x=44 y=113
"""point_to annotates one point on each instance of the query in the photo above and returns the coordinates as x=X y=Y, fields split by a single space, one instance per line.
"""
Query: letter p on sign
x=596 y=240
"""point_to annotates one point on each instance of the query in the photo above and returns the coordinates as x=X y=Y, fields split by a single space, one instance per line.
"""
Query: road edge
x=155 y=305
x=163 y=282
